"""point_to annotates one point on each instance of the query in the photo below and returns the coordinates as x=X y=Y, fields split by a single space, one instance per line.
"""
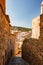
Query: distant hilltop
x=21 y=28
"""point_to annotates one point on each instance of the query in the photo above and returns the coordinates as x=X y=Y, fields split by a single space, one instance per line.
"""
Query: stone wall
x=41 y=26
x=12 y=38
x=3 y=4
x=5 y=50
x=32 y=51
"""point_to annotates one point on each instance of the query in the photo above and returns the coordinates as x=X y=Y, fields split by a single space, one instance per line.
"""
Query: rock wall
x=5 y=46
x=32 y=51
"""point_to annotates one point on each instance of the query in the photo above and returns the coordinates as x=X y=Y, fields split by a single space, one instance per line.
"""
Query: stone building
x=5 y=27
x=37 y=25
x=34 y=46
x=14 y=41
x=13 y=36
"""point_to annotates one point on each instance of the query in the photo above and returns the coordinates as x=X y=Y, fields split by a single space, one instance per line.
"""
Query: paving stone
x=17 y=61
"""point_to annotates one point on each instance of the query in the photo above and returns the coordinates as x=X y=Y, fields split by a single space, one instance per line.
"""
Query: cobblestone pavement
x=17 y=61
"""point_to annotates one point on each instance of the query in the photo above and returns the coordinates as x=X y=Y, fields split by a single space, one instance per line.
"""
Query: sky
x=21 y=12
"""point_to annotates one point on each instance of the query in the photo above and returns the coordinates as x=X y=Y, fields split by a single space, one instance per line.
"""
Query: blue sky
x=21 y=12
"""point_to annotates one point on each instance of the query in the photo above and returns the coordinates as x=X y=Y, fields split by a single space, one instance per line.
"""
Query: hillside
x=21 y=28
